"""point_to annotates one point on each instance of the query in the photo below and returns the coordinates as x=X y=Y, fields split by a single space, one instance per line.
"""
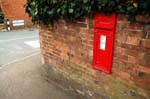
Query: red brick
x=132 y=40
x=146 y=50
x=147 y=28
x=146 y=43
x=147 y=57
x=123 y=57
x=118 y=37
x=133 y=53
x=117 y=43
x=143 y=18
x=14 y=10
x=131 y=47
x=144 y=63
x=140 y=68
x=132 y=59
x=135 y=33
x=143 y=82
x=124 y=75
x=119 y=50
x=135 y=26
x=122 y=26
x=81 y=25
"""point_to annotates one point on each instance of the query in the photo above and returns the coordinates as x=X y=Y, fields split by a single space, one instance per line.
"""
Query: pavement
x=22 y=75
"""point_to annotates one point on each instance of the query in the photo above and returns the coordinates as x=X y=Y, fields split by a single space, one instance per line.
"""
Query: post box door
x=103 y=52
x=103 y=44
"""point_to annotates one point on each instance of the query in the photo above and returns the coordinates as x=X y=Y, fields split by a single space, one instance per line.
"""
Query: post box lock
x=104 y=30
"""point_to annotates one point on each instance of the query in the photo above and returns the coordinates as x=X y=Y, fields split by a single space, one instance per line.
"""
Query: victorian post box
x=104 y=30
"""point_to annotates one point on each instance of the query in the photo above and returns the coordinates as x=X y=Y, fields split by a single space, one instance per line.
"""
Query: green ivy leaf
x=70 y=10
x=85 y=1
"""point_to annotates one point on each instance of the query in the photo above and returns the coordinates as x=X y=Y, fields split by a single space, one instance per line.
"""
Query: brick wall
x=68 y=49
x=14 y=10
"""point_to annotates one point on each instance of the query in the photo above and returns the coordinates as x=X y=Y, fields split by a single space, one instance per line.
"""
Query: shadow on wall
x=1 y=20
x=1 y=17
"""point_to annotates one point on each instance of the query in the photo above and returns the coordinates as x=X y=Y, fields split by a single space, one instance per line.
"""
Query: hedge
x=46 y=11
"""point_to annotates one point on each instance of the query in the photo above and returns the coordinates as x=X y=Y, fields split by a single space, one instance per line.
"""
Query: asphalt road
x=17 y=45
x=22 y=75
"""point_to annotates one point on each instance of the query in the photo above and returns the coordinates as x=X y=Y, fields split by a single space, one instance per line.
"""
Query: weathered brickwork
x=68 y=49
x=14 y=10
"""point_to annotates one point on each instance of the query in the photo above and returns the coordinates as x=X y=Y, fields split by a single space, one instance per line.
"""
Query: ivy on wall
x=46 y=11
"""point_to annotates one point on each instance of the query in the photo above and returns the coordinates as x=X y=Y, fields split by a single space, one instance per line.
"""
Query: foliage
x=46 y=11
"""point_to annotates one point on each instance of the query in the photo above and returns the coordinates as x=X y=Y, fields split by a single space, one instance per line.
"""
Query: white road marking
x=34 y=44
x=17 y=60
x=18 y=39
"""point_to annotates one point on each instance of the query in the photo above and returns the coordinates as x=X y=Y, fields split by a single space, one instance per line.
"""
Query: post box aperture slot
x=104 y=21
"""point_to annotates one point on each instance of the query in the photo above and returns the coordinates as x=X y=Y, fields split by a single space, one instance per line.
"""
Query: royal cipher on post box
x=104 y=30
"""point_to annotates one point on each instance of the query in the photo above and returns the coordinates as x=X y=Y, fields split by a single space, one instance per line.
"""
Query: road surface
x=22 y=75
x=16 y=45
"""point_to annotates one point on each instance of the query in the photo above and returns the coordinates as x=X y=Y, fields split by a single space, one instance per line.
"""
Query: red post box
x=104 y=30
